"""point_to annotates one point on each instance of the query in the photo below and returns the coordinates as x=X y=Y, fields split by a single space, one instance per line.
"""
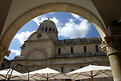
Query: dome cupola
x=49 y=27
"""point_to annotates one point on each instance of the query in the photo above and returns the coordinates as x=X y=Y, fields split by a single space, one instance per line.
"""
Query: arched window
x=59 y=51
x=2 y=66
x=71 y=69
x=81 y=66
x=85 y=49
x=96 y=47
x=53 y=29
x=62 y=69
x=71 y=50
x=46 y=29
x=42 y=28
x=50 y=29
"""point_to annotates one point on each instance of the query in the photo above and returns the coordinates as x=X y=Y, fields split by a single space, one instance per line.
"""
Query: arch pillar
x=3 y=52
x=112 y=45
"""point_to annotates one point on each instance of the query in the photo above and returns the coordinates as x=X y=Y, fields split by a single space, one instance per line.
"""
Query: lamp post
x=11 y=69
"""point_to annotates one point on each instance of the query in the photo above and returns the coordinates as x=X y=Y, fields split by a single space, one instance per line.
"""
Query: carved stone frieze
x=112 y=45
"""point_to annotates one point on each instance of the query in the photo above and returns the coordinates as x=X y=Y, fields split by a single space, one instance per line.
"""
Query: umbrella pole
x=92 y=77
x=8 y=79
x=47 y=76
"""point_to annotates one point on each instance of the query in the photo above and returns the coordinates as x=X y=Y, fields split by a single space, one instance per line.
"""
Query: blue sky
x=69 y=26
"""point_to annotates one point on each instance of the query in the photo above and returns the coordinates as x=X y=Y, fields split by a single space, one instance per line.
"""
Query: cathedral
x=44 y=49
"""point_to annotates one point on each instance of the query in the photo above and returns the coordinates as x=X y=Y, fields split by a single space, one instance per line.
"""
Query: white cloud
x=43 y=18
x=70 y=29
x=23 y=36
x=51 y=12
x=77 y=17
x=73 y=30
x=17 y=52
x=37 y=20
x=40 y=19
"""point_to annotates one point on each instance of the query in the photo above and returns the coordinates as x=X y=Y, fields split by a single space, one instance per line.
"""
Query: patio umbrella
x=91 y=71
x=14 y=75
x=46 y=74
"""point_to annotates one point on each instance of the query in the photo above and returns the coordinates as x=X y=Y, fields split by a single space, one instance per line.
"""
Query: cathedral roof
x=79 y=40
x=47 y=25
x=18 y=57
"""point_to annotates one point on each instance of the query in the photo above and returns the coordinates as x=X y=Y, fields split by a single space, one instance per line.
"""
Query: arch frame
x=43 y=9
x=39 y=49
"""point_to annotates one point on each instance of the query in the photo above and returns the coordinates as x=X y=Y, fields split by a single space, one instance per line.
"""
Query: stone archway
x=58 y=7
x=112 y=44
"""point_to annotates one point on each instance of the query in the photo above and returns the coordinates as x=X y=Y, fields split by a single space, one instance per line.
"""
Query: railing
x=81 y=55
x=79 y=40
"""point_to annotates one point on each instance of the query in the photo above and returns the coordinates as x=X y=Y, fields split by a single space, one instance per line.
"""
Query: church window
x=71 y=69
x=71 y=50
x=59 y=51
x=53 y=29
x=39 y=35
x=46 y=29
x=2 y=65
x=62 y=69
x=42 y=28
x=50 y=29
x=96 y=47
x=85 y=49
x=81 y=66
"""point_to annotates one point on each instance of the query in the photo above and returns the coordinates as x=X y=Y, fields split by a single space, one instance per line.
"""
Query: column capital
x=3 y=52
x=112 y=45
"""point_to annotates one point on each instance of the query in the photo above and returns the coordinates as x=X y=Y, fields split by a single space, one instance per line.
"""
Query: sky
x=69 y=26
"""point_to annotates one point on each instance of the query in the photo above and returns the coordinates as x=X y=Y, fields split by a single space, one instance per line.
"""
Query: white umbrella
x=46 y=74
x=14 y=75
x=91 y=71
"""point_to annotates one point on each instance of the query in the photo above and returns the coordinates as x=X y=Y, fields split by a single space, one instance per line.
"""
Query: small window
x=96 y=47
x=46 y=29
x=39 y=35
x=62 y=69
x=59 y=51
x=2 y=65
x=71 y=69
x=42 y=28
x=85 y=49
x=81 y=66
x=71 y=50
x=53 y=29
x=50 y=29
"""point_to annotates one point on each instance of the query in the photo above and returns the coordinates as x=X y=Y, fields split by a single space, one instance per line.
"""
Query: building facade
x=5 y=64
x=44 y=49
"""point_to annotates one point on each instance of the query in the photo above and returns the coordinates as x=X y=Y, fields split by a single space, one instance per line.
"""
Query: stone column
x=3 y=52
x=112 y=45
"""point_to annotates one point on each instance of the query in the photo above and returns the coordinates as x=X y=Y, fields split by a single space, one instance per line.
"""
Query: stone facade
x=43 y=49
x=5 y=64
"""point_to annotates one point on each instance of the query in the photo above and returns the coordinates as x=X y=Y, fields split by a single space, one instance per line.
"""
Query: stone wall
x=78 y=45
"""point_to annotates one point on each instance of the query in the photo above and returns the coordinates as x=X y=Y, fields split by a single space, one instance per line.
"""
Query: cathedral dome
x=48 y=23
x=47 y=26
